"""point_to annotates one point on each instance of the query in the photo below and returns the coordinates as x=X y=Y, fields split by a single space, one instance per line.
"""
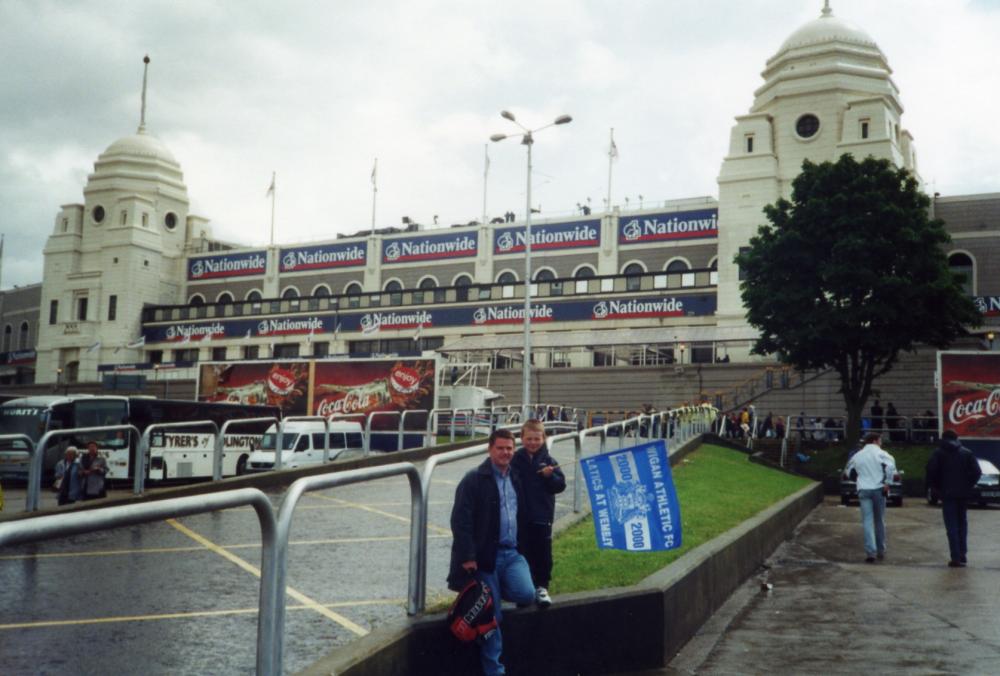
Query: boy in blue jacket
x=542 y=479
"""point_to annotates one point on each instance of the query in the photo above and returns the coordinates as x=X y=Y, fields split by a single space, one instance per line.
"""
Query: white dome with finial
x=827 y=28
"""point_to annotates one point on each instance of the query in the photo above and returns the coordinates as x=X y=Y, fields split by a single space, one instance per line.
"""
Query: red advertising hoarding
x=969 y=394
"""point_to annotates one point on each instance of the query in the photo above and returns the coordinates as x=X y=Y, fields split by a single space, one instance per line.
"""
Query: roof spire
x=142 y=112
x=826 y=8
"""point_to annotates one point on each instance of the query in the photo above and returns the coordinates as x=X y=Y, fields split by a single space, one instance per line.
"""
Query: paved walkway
x=830 y=613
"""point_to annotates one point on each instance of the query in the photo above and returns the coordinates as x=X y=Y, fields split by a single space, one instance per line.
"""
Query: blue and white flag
x=633 y=499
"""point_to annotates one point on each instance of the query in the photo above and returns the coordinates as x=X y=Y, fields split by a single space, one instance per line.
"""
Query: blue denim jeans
x=872 y=502
x=511 y=581
x=956 y=524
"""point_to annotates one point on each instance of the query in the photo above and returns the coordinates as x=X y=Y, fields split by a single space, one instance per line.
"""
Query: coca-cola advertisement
x=349 y=387
x=970 y=394
x=282 y=384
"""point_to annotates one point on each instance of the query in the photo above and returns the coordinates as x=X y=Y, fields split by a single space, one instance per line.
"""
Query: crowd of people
x=80 y=478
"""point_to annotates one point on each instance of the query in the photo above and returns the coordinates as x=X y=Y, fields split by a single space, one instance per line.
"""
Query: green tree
x=850 y=273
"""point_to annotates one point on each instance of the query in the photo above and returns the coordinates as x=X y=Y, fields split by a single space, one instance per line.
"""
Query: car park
x=849 y=488
x=986 y=490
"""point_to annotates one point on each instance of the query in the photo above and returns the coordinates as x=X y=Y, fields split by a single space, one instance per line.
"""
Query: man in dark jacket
x=487 y=523
x=952 y=471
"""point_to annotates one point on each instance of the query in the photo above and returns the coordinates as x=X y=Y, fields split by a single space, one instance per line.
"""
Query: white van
x=302 y=444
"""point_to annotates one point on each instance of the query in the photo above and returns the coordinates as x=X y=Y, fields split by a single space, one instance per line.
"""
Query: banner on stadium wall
x=633 y=499
x=548 y=236
x=372 y=321
x=969 y=394
x=323 y=257
x=227 y=265
x=668 y=226
x=988 y=306
x=429 y=247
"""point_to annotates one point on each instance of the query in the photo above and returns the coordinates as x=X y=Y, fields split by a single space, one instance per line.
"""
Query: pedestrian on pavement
x=487 y=524
x=952 y=471
x=877 y=413
x=542 y=480
x=68 y=478
x=94 y=468
x=874 y=468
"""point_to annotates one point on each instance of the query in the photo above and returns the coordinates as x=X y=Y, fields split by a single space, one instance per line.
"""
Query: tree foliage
x=850 y=273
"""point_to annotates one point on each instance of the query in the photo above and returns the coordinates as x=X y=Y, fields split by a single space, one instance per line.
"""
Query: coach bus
x=174 y=454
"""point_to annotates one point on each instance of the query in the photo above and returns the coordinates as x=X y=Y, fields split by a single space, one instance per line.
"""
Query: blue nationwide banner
x=633 y=499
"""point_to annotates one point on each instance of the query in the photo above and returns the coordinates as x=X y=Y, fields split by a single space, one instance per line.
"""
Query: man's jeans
x=511 y=580
x=956 y=524
x=872 y=503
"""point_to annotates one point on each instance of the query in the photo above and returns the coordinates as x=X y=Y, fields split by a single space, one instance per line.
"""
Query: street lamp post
x=527 y=139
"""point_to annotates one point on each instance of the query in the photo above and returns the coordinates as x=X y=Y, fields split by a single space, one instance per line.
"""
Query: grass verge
x=717 y=488
x=826 y=462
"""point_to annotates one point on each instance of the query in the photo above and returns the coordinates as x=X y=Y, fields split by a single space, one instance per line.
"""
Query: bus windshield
x=270 y=440
x=29 y=420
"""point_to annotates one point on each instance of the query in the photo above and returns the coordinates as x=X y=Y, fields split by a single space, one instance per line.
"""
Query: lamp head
x=498 y=137
x=507 y=115
x=563 y=119
x=990 y=336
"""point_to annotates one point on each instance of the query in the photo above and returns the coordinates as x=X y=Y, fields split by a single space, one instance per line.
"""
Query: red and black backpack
x=472 y=615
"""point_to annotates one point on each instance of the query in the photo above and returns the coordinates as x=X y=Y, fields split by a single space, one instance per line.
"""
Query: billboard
x=227 y=265
x=429 y=247
x=320 y=387
x=668 y=226
x=322 y=257
x=549 y=236
x=969 y=394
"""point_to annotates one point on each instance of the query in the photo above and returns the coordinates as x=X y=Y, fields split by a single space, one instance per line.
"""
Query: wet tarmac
x=829 y=612
x=180 y=596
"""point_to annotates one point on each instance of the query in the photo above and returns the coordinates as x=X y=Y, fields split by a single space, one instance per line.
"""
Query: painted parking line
x=253 y=570
x=179 y=550
x=182 y=616
x=368 y=508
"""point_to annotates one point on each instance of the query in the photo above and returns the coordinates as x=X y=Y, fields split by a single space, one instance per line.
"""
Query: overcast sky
x=316 y=90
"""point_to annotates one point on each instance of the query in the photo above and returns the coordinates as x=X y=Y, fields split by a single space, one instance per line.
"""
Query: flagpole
x=611 y=158
x=374 y=191
x=272 y=191
x=486 y=171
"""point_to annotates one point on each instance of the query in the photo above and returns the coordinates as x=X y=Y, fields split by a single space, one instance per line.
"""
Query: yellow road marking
x=367 y=508
x=297 y=595
x=170 y=550
x=181 y=616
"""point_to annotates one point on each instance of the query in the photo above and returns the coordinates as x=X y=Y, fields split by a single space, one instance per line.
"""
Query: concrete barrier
x=613 y=630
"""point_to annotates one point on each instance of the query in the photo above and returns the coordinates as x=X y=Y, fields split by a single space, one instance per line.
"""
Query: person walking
x=542 y=479
x=874 y=468
x=487 y=526
x=952 y=471
x=94 y=468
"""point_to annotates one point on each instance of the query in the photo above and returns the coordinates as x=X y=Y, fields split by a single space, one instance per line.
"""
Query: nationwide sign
x=370 y=321
x=633 y=499
x=669 y=226
x=227 y=265
x=323 y=257
x=573 y=235
x=988 y=306
x=429 y=248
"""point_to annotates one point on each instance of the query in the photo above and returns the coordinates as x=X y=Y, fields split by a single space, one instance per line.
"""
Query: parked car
x=849 y=488
x=986 y=490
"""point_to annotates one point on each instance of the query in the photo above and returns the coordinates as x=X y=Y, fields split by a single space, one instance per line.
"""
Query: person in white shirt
x=874 y=468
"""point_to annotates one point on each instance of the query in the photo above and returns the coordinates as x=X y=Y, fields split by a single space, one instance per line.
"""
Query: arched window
x=22 y=342
x=507 y=277
x=427 y=284
x=321 y=291
x=8 y=332
x=681 y=267
x=462 y=284
x=961 y=264
x=544 y=275
x=254 y=296
x=582 y=274
x=224 y=297
x=353 y=291
x=196 y=300
x=678 y=266
x=290 y=292
x=633 y=282
x=395 y=289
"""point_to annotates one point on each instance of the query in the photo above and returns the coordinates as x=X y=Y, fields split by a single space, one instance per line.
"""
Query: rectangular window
x=190 y=354
x=112 y=307
x=864 y=128
x=81 y=308
x=251 y=351
x=155 y=356
x=286 y=350
x=742 y=274
x=218 y=354
x=607 y=285
x=53 y=311
x=321 y=349
x=749 y=138
x=581 y=286
x=124 y=217
x=145 y=220
x=485 y=293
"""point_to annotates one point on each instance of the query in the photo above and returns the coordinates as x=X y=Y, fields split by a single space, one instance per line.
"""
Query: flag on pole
x=270 y=190
x=375 y=172
x=136 y=343
x=309 y=336
x=613 y=151
x=94 y=347
x=416 y=334
x=247 y=337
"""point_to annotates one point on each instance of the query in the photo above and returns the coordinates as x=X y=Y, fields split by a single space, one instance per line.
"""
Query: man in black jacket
x=487 y=524
x=952 y=471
